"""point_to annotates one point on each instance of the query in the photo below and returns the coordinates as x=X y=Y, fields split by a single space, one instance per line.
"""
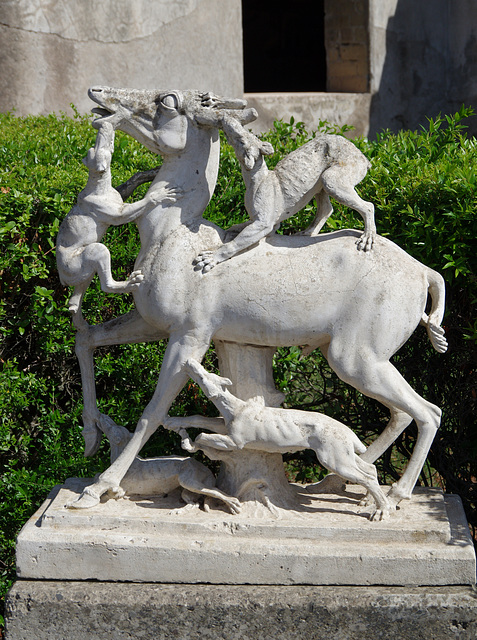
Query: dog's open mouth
x=104 y=115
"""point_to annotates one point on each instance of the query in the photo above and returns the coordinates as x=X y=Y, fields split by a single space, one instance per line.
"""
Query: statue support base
x=327 y=539
x=151 y=553
x=101 y=610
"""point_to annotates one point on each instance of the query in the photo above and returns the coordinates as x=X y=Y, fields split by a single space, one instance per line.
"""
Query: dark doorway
x=284 y=46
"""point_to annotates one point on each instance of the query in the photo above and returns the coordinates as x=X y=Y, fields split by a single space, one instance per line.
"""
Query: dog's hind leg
x=339 y=182
x=364 y=473
x=324 y=209
x=194 y=477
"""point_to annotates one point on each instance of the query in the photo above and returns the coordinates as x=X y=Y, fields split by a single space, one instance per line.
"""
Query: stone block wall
x=347 y=45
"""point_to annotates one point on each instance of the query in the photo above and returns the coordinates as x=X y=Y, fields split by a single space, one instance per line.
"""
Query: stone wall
x=462 y=86
x=346 y=42
x=390 y=63
x=338 y=108
x=422 y=60
x=53 y=50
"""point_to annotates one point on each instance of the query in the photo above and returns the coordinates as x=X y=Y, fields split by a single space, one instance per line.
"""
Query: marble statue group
x=354 y=295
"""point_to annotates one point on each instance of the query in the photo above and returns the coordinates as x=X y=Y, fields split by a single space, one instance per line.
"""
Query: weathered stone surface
x=329 y=540
x=105 y=611
x=337 y=108
x=51 y=52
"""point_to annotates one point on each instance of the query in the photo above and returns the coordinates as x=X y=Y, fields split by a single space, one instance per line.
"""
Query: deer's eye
x=169 y=101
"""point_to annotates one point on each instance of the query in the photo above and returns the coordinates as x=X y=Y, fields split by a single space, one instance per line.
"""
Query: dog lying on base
x=252 y=425
x=160 y=476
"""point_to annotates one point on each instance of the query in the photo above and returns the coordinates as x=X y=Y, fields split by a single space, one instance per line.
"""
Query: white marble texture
x=321 y=291
x=325 y=540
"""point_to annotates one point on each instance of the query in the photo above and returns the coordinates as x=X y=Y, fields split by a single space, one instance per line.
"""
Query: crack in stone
x=162 y=19
x=79 y=40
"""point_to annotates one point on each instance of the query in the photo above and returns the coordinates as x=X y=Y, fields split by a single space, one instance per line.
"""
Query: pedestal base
x=326 y=540
x=106 y=611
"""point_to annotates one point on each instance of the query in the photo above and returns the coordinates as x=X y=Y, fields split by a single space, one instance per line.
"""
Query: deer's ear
x=227 y=382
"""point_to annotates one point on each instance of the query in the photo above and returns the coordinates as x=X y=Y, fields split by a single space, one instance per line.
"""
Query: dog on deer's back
x=327 y=165
x=160 y=476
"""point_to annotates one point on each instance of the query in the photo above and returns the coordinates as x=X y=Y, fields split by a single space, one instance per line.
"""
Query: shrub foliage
x=424 y=188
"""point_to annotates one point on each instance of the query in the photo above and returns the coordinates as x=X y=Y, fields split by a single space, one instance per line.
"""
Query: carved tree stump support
x=253 y=476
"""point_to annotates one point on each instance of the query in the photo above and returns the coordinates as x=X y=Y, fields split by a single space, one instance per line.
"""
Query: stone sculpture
x=252 y=425
x=358 y=307
x=160 y=476
x=79 y=253
x=327 y=165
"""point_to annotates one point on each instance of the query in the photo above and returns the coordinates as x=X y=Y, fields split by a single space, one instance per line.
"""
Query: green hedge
x=424 y=188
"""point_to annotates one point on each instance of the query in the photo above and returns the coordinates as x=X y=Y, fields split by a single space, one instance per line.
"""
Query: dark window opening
x=284 y=46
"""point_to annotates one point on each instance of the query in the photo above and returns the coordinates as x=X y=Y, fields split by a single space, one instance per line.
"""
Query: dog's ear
x=260 y=400
x=266 y=149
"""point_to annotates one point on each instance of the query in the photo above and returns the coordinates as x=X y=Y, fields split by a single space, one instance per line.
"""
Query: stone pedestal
x=327 y=539
x=271 y=573
x=105 y=611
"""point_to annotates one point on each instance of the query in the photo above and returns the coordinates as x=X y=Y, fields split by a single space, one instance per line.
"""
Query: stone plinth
x=106 y=611
x=326 y=540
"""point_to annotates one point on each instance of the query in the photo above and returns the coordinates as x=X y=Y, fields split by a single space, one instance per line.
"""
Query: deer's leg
x=172 y=378
x=382 y=381
x=129 y=328
x=396 y=425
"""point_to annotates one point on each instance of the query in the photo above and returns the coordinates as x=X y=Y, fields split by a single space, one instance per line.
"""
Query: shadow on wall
x=429 y=64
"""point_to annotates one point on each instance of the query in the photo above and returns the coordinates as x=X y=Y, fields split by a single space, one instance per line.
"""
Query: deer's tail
x=432 y=322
